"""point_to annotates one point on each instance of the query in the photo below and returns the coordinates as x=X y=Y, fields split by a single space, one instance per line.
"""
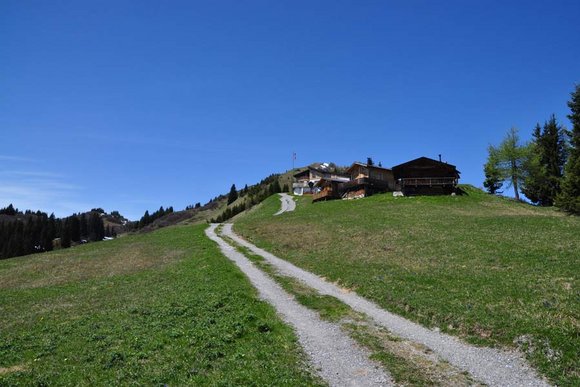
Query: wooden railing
x=428 y=181
x=324 y=194
x=365 y=180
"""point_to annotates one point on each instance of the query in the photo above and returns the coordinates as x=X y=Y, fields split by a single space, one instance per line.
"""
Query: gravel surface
x=287 y=202
x=336 y=357
x=491 y=366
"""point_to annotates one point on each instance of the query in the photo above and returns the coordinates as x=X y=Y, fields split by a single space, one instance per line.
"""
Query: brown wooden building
x=425 y=176
x=363 y=180
x=366 y=180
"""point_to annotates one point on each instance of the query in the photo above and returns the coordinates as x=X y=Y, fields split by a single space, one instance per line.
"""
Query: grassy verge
x=165 y=308
x=490 y=270
x=408 y=364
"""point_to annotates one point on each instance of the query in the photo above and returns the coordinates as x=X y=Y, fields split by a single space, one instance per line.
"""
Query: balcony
x=428 y=181
x=381 y=184
x=325 y=194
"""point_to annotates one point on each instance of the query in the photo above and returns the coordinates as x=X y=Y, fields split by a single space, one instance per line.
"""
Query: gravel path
x=287 y=202
x=338 y=359
x=491 y=366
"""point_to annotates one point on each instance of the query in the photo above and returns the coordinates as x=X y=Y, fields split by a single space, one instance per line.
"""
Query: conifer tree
x=569 y=198
x=233 y=195
x=75 y=228
x=545 y=164
x=65 y=237
x=493 y=175
x=84 y=227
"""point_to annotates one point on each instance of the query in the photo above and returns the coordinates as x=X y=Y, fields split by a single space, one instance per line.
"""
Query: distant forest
x=29 y=232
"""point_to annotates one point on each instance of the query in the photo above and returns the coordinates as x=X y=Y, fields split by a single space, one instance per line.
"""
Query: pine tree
x=75 y=229
x=569 y=198
x=96 y=227
x=65 y=236
x=233 y=195
x=84 y=227
x=145 y=219
x=545 y=164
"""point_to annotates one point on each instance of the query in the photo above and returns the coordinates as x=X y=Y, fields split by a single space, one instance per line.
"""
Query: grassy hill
x=162 y=308
x=488 y=269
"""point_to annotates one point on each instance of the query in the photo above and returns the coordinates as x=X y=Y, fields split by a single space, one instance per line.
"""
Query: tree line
x=30 y=232
x=547 y=169
x=147 y=218
x=255 y=194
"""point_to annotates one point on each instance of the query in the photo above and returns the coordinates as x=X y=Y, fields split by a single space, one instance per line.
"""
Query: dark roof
x=424 y=160
x=366 y=166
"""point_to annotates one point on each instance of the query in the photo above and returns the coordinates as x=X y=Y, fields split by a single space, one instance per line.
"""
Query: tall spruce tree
x=75 y=229
x=569 y=198
x=233 y=195
x=545 y=164
x=65 y=236
x=84 y=226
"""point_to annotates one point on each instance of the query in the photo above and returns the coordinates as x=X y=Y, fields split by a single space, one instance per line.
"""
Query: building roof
x=337 y=179
x=358 y=163
x=424 y=160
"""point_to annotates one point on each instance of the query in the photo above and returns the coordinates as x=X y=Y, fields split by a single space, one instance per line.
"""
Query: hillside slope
x=488 y=269
x=162 y=308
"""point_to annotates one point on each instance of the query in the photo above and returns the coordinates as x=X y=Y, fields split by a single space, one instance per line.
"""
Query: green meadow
x=490 y=270
x=163 y=308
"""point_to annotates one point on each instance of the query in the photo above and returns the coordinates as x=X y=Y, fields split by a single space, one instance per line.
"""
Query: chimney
x=439 y=157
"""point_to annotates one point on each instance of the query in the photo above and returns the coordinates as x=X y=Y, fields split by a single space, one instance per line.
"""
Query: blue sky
x=129 y=105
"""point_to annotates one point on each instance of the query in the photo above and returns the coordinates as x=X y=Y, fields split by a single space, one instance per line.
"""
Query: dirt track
x=339 y=360
x=287 y=204
x=491 y=366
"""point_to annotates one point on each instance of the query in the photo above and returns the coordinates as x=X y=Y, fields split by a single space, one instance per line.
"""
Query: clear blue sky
x=129 y=105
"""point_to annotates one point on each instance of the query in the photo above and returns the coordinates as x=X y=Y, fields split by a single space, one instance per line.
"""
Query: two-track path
x=287 y=204
x=338 y=359
x=488 y=365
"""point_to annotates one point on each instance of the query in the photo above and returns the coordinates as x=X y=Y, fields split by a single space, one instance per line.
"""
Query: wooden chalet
x=329 y=188
x=366 y=180
x=425 y=176
x=305 y=181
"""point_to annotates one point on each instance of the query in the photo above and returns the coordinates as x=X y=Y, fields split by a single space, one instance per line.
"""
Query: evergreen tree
x=84 y=226
x=10 y=210
x=145 y=219
x=233 y=195
x=545 y=164
x=47 y=235
x=75 y=229
x=96 y=227
x=569 y=198
x=509 y=159
x=65 y=236
x=493 y=176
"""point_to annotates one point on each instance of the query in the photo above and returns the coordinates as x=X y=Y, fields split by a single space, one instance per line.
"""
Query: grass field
x=488 y=269
x=164 y=308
